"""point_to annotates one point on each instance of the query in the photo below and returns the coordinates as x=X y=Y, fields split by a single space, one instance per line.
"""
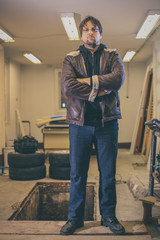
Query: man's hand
x=104 y=92
x=87 y=81
x=84 y=80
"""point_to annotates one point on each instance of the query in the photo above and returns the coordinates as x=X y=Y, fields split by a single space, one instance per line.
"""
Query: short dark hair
x=95 y=22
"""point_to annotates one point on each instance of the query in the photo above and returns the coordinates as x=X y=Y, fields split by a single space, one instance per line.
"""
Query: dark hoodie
x=93 y=114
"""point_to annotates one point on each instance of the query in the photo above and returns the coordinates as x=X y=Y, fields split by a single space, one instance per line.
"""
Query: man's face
x=91 y=35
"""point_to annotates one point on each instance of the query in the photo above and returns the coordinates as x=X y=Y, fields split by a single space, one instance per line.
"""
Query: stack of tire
x=59 y=165
x=26 y=163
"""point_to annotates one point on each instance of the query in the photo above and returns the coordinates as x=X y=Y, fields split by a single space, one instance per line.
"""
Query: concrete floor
x=130 y=169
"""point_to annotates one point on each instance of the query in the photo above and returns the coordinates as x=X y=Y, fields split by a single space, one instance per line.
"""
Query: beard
x=91 y=45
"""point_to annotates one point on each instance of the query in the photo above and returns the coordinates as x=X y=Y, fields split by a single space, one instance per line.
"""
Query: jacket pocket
x=111 y=104
x=74 y=108
x=110 y=100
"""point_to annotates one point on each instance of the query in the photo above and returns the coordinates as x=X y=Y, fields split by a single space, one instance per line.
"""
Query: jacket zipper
x=84 y=66
x=92 y=64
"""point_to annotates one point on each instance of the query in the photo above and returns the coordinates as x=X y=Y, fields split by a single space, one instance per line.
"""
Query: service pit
x=44 y=211
x=49 y=201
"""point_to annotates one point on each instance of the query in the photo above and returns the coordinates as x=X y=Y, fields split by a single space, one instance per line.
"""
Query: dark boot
x=113 y=224
x=70 y=226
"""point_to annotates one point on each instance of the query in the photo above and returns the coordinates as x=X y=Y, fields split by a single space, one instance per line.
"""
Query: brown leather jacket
x=111 y=78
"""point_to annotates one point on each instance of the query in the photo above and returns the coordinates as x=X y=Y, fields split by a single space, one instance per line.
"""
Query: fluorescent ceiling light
x=128 y=56
x=70 y=21
x=32 y=58
x=5 y=36
x=149 y=23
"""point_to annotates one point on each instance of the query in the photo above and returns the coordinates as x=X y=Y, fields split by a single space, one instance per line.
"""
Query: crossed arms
x=88 y=81
x=81 y=88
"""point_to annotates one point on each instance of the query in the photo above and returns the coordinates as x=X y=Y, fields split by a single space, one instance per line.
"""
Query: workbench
x=56 y=136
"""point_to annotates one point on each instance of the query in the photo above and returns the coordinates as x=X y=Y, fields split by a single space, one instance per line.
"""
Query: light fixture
x=128 y=56
x=32 y=58
x=149 y=23
x=6 y=37
x=70 y=22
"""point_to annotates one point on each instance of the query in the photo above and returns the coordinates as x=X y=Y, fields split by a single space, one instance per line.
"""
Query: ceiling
x=37 y=27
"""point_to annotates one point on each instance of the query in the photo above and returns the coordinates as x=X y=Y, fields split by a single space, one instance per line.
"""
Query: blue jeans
x=105 y=140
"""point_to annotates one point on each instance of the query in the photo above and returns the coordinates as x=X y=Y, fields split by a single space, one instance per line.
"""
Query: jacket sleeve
x=115 y=78
x=69 y=84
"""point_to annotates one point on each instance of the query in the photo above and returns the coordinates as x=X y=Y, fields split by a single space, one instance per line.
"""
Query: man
x=91 y=78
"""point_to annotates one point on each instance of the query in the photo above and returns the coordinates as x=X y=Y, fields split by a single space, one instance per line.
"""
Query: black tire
x=60 y=173
x=18 y=160
x=59 y=159
x=26 y=144
x=27 y=173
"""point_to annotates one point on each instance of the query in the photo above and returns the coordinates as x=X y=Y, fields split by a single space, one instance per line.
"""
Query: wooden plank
x=149 y=199
x=139 y=134
x=149 y=142
x=136 y=139
x=20 y=123
x=53 y=228
x=74 y=237
x=139 y=139
x=147 y=133
x=148 y=148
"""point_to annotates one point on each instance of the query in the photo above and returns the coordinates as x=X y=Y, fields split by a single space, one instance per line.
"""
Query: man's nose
x=90 y=31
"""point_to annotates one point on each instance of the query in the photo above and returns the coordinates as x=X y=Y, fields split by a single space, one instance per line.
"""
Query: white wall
x=12 y=93
x=33 y=90
x=130 y=94
x=39 y=97
x=156 y=81
x=2 y=129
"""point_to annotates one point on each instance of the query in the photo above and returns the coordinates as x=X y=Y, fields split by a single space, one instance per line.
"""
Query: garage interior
x=34 y=91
